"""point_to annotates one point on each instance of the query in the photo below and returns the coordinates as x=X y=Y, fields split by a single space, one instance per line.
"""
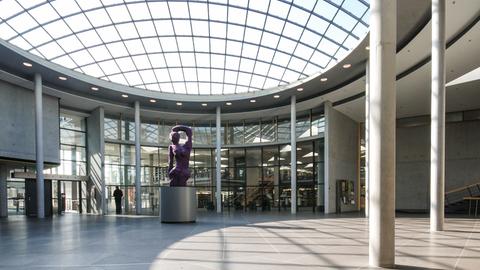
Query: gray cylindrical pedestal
x=178 y=204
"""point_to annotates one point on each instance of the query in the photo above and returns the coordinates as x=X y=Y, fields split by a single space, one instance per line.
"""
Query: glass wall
x=255 y=173
x=73 y=150
x=73 y=161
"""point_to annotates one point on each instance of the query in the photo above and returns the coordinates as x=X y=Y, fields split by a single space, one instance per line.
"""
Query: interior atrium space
x=233 y=134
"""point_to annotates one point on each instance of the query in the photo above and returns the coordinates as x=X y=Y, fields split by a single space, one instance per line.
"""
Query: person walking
x=118 y=195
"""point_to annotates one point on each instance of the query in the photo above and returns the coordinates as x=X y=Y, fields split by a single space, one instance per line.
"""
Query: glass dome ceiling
x=188 y=47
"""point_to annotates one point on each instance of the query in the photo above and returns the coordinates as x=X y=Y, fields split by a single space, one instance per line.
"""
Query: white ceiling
x=413 y=90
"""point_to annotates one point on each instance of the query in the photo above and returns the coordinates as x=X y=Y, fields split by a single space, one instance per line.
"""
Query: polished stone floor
x=229 y=242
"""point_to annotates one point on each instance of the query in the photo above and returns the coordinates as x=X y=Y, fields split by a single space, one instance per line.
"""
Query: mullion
x=123 y=41
x=348 y=12
x=160 y=43
x=320 y=16
x=20 y=35
x=296 y=46
x=84 y=47
x=225 y=51
x=203 y=20
x=220 y=4
x=143 y=45
x=318 y=44
x=215 y=53
x=276 y=49
x=178 y=49
x=52 y=39
x=345 y=39
x=241 y=50
x=258 y=48
x=194 y=48
x=209 y=44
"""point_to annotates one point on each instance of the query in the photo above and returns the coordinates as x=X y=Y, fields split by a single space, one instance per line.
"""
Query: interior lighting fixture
x=276 y=96
x=347 y=65
x=124 y=95
x=94 y=88
x=228 y=103
x=62 y=78
x=179 y=103
x=252 y=101
x=300 y=89
x=153 y=100
x=323 y=79
x=27 y=64
x=204 y=104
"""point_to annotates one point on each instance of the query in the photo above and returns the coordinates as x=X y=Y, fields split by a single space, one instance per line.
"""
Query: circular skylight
x=188 y=47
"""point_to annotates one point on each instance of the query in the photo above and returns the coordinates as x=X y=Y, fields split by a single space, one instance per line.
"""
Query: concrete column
x=3 y=192
x=138 y=154
x=39 y=145
x=218 y=160
x=382 y=116
x=329 y=201
x=437 y=127
x=367 y=128
x=293 y=158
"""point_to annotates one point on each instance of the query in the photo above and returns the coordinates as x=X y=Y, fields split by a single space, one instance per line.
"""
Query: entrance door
x=31 y=197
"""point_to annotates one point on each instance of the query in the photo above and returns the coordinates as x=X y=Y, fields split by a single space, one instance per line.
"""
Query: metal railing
x=458 y=194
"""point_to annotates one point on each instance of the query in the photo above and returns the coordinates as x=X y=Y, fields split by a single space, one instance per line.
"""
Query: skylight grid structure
x=189 y=47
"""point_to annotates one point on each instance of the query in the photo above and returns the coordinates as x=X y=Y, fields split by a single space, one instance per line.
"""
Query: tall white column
x=3 y=191
x=367 y=128
x=293 y=158
x=39 y=145
x=218 y=161
x=437 y=127
x=382 y=116
x=138 y=154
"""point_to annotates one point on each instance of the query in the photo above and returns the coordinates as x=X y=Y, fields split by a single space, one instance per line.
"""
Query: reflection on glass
x=252 y=132
x=269 y=131
x=111 y=129
x=302 y=128
x=284 y=130
x=74 y=122
x=318 y=125
x=202 y=135
x=149 y=133
x=128 y=130
x=72 y=137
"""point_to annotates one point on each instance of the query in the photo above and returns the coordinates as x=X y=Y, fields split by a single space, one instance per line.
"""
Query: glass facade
x=73 y=146
x=255 y=163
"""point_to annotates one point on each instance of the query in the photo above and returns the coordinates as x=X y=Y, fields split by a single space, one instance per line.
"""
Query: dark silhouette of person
x=181 y=154
x=118 y=195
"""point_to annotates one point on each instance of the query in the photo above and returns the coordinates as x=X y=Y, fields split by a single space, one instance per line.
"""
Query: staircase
x=454 y=202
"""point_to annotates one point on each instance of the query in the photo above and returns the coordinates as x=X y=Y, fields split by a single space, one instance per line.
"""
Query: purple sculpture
x=180 y=173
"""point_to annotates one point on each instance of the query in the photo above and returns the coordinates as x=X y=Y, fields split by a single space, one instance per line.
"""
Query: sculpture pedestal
x=178 y=204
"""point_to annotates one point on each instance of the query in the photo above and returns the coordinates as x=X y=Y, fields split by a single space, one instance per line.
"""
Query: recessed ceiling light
x=204 y=104
x=94 y=88
x=300 y=89
x=153 y=100
x=124 y=95
x=347 y=65
x=367 y=48
x=179 y=103
x=252 y=101
x=27 y=64
x=228 y=103
x=276 y=96
x=62 y=78
x=324 y=79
